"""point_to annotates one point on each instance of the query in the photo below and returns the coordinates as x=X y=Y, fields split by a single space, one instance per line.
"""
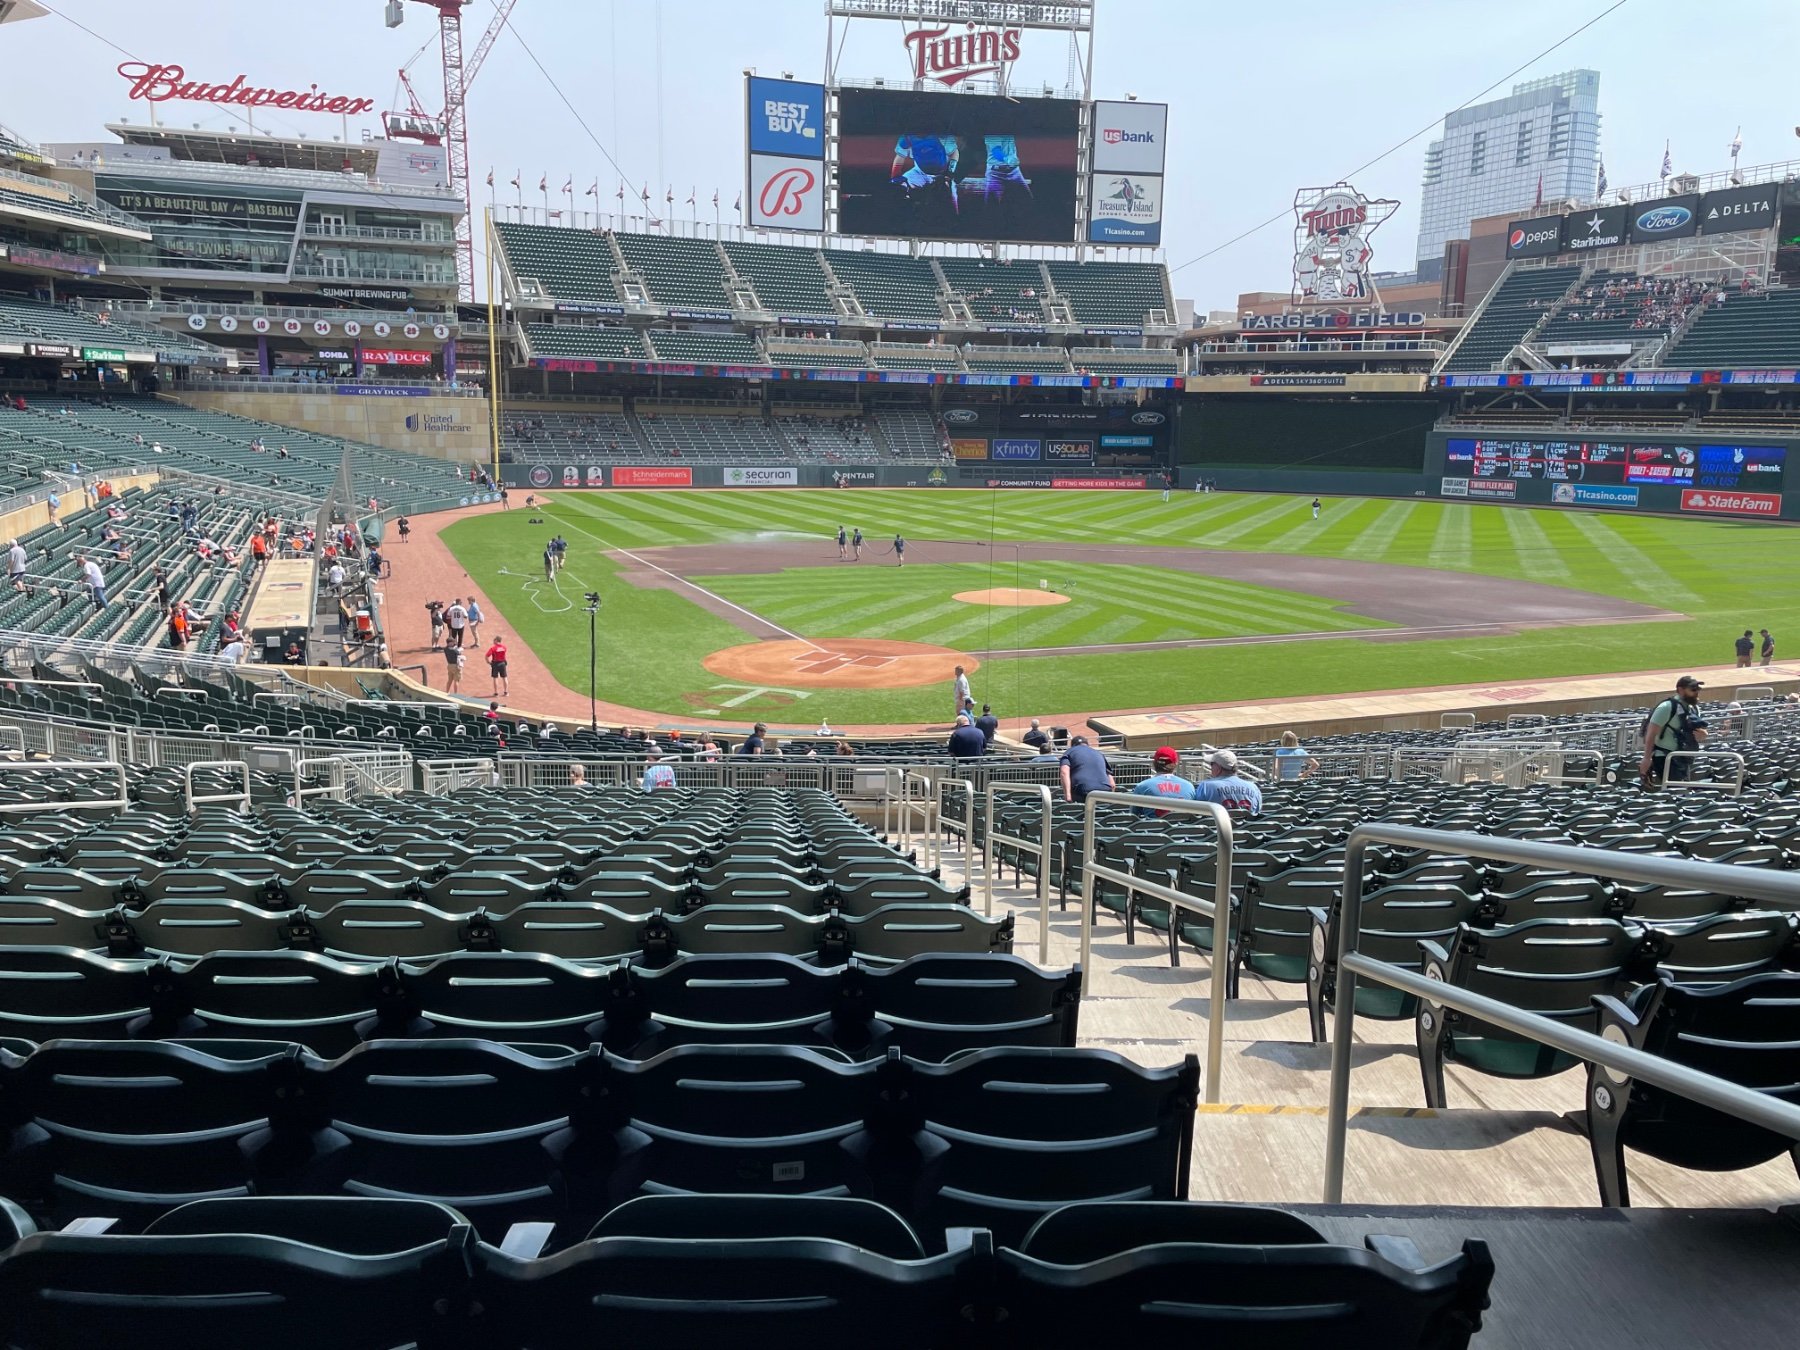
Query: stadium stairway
x=1500 y=1143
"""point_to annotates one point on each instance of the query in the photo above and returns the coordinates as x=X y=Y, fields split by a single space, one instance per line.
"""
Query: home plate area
x=839 y=663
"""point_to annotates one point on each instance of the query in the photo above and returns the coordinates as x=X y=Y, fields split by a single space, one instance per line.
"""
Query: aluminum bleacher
x=891 y=285
x=1127 y=294
x=677 y=271
x=787 y=280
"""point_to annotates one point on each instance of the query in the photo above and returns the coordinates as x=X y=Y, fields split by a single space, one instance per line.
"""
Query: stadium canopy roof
x=252 y=148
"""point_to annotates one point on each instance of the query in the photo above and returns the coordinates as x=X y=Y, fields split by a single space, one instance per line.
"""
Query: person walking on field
x=405 y=527
x=453 y=669
x=1745 y=644
x=1768 y=647
x=1315 y=505
x=457 y=619
x=476 y=619
x=496 y=659
x=843 y=540
x=960 y=690
x=899 y=551
x=856 y=542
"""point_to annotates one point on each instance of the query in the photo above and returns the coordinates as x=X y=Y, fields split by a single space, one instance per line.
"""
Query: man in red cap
x=1165 y=782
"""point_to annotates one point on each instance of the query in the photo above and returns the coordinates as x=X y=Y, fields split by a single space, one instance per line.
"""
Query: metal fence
x=1218 y=909
x=1040 y=848
x=1782 y=889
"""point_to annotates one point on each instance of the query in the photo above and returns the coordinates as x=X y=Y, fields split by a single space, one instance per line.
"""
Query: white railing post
x=1042 y=847
x=235 y=766
x=1219 y=907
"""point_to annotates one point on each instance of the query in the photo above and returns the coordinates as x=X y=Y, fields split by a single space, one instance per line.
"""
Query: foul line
x=711 y=595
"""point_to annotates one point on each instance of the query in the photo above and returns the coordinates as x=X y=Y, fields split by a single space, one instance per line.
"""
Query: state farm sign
x=161 y=83
x=950 y=58
x=1732 y=503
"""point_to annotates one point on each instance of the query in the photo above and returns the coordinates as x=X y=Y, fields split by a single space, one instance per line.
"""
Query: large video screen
x=1731 y=467
x=957 y=166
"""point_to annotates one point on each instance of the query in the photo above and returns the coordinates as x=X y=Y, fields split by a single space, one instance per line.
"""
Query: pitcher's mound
x=1016 y=597
x=839 y=663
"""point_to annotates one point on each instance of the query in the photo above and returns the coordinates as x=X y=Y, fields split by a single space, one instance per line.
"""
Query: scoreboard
x=1726 y=467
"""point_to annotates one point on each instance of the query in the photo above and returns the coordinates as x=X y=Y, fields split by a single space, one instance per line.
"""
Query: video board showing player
x=957 y=166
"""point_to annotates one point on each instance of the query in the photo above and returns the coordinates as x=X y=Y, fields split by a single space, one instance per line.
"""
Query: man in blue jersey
x=1237 y=795
x=1165 y=782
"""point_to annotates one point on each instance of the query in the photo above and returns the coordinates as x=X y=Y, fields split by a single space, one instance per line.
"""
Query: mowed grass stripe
x=1451 y=545
x=1530 y=541
x=1249 y=524
x=1638 y=569
x=1374 y=542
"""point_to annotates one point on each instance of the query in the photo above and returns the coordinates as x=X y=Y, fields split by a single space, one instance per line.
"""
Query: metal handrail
x=1734 y=786
x=1219 y=908
x=1752 y=883
x=950 y=824
x=990 y=865
x=925 y=806
x=236 y=766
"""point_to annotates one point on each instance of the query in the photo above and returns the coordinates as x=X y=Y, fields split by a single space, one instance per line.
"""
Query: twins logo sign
x=1332 y=255
x=786 y=194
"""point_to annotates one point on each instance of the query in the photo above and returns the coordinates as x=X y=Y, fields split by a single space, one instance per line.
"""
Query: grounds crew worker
x=1671 y=726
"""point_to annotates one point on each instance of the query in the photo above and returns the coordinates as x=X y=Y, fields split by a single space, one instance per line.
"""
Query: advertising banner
x=193 y=207
x=969 y=447
x=1600 y=228
x=786 y=118
x=1018 y=482
x=1126 y=442
x=1098 y=484
x=1454 y=487
x=1003 y=448
x=399 y=356
x=1499 y=488
x=786 y=194
x=1740 y=466
x=627 y=476
x=1588 y=494
x=596 y=476
x=1069 y=452
x=1125 y=209
x=1130 y=137
x=762 y=477
x=926 y=165
x=1732 y=503
x=1538 y=237
x=1667 y=218
x=1750 y=208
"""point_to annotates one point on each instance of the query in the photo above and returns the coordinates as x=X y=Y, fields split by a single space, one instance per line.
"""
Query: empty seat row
x=931 y=1006
x=129 y=1130
x=733 y=1269
x=577 y=930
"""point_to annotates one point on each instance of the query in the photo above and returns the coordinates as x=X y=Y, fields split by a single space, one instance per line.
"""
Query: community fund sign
x=164 y=83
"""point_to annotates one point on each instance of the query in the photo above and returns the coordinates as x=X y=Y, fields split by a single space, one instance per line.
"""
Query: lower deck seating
x=691 y=1270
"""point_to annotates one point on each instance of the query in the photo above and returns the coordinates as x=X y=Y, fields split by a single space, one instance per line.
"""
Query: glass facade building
x=1491 y=158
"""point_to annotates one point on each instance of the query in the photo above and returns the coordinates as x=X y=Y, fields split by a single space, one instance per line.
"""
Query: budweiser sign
x=165 y=83
x=937 y=55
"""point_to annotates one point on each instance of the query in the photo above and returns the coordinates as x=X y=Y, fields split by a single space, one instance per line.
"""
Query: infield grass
x=1726 y=575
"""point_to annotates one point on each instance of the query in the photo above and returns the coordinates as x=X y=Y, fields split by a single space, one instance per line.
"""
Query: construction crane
x=449 y=128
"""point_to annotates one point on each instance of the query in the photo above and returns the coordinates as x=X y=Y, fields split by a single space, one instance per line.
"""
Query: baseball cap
x=1689 y=682
x=1224 y=759
x=1166 y=754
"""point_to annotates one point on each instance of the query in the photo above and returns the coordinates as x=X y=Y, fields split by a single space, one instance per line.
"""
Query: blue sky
x=1264 y=98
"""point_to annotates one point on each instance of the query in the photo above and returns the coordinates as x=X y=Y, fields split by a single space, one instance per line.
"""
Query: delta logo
x=1116 y=136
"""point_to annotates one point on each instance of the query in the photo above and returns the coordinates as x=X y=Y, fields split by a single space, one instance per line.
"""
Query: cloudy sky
x=1265 y=98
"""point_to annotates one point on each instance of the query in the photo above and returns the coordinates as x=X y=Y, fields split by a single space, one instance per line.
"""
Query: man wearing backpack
x=1672 y=725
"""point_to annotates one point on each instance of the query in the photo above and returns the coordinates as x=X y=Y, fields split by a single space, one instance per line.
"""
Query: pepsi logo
x=1517 y=240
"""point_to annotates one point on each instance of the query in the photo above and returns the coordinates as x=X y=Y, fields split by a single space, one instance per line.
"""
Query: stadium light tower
x=451 y=128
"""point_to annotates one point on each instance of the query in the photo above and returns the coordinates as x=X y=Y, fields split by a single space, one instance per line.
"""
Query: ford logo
x=1664 y=218
x=961 y=415
x=1147 y=419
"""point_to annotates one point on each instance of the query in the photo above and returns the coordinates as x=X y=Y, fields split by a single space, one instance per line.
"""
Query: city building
x=1541 y=143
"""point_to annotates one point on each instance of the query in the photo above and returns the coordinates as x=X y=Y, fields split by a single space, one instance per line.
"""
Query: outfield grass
x=1728 y=575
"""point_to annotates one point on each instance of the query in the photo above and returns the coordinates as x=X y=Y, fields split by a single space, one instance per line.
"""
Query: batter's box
x=873 y=662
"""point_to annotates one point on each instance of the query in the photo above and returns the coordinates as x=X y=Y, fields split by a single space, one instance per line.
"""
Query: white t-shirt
x=90 y=571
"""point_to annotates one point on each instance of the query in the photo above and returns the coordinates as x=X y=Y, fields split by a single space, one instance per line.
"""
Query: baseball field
x=734 y=604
